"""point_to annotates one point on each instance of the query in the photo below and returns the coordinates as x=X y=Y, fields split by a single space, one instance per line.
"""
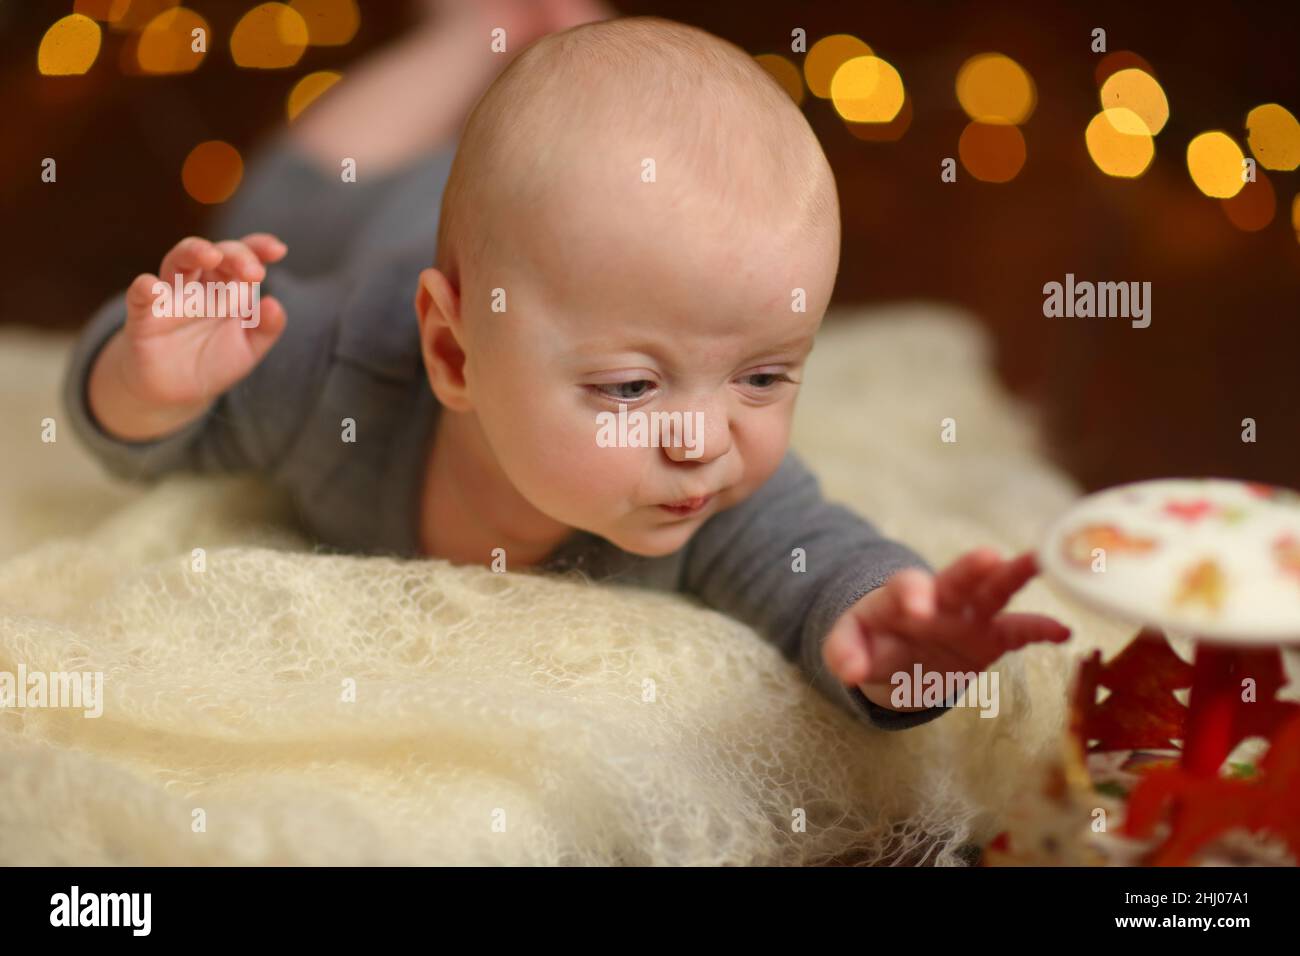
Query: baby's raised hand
x=947 y=622
x=175 y=360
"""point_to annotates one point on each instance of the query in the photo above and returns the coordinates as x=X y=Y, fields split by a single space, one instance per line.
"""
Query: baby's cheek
x=763 y=445
x=591 y=473
x=574 y=467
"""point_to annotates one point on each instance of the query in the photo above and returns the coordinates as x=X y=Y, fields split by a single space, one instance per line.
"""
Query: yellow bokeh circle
x=69 y=47
x=166 y=45
x=1120 y=143
x=1274 y=136
x=826 y=57
x=993 y=88
x=1216 y=164
x=271 y=36
x=1138 y=91
x=867 y=89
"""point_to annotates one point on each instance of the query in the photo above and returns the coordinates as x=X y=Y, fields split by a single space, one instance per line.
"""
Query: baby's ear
x=438 y=308
x=434 y=291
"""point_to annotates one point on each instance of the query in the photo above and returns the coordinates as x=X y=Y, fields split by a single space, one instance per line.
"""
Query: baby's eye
x=627 y=391
x=766 y=380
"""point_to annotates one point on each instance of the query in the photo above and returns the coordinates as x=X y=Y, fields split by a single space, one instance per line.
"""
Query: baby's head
x=639 y=215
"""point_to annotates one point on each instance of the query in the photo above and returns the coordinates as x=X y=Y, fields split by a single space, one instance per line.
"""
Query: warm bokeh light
x=167 y=43
x=1254 y=207
x=992 y=152
x=1119 y=143
x=106 y=11
x=1295 y=216
x=69 y=46
x=1112 y=63
x=139 y=12
x=1215 y=162
x=866 y=89
x=826 y=57
x=1273 y=136
x=308 y=88
x=212 y=171
x=885 y=132
x=993 y=88
x=271 y=36
x=329 y=22
x=785 y=72
x=1137 y=90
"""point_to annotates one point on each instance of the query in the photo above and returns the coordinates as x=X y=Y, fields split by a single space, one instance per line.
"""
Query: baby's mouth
x=687 y=506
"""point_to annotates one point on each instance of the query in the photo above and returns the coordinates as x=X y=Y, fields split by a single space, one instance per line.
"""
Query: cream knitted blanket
x=280 y=706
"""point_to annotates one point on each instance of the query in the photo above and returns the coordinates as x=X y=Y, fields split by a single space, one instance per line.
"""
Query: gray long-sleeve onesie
x=351 y=350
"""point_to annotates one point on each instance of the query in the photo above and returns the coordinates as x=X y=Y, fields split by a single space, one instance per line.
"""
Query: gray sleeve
x=327 y=222
x=248 y=428
x=740 y=562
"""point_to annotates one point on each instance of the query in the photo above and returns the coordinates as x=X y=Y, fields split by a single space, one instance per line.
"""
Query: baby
x=637 y=219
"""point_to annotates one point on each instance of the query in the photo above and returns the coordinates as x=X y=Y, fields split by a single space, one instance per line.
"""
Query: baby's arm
x=742 y=562
x=949 y=623
x=152 y=394
x=159 y=373
x=864 y=607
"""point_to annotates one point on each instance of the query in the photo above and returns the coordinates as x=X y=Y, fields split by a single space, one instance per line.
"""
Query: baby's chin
x=654 y=542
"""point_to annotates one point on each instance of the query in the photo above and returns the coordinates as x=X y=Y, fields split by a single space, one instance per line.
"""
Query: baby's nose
x=704 y=434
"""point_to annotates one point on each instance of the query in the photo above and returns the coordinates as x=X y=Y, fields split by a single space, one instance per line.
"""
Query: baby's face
x=660 y=307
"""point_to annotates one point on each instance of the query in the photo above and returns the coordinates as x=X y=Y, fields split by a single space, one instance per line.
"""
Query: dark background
x=1121 y=404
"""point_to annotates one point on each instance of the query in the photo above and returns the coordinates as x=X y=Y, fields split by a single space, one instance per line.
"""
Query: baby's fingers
x=271 y=323
x=265 y=246
x=188 y=258
x=140 y=295
x=994 y=594
x=904 y=604
x=906 y=599
x=238 y=261
x=149 y=310
x=956 y=583
x=845 y=651
x=1013 y=631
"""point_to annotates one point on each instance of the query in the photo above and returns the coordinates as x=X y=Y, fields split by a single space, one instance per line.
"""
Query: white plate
x=1212 y=557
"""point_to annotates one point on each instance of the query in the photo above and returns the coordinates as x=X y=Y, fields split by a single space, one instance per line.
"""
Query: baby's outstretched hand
x=947 y=622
